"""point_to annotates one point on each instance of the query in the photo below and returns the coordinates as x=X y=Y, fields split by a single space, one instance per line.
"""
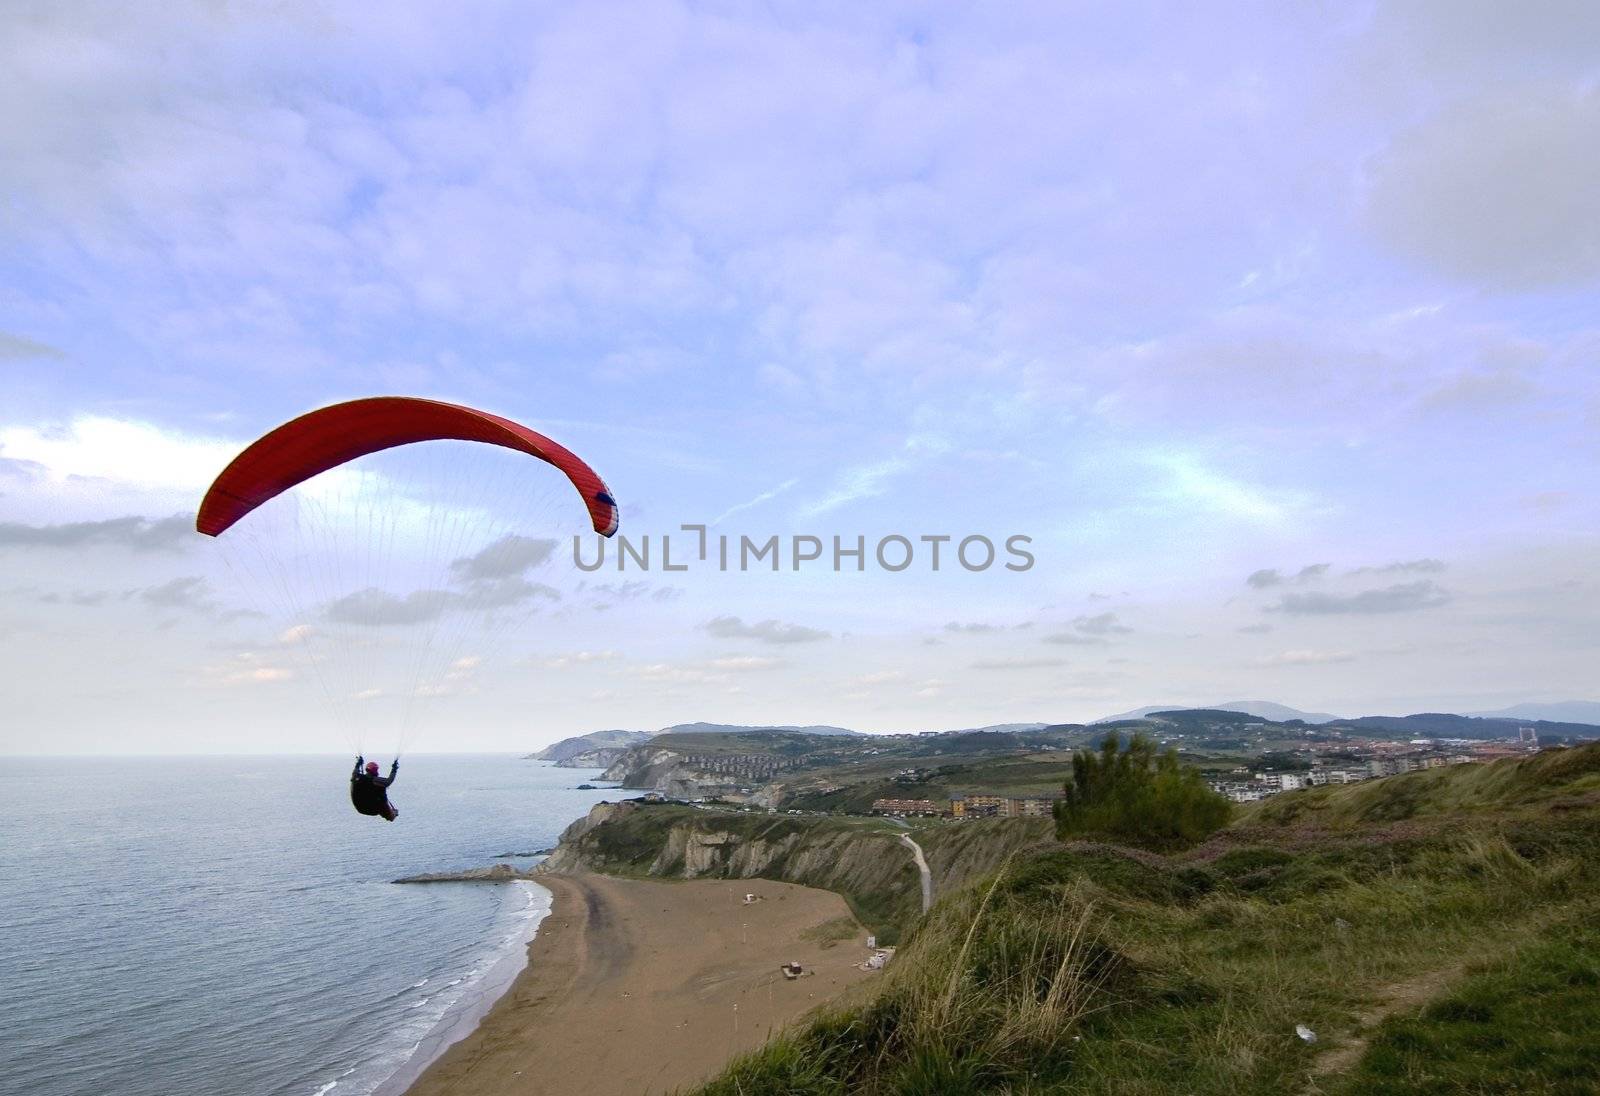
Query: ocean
x=199 y=925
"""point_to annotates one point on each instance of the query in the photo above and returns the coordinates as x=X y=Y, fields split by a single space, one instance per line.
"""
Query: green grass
x=1188 y=973
x=831 y=932
x=1526 y=1022
x=1454 y=789
x=1239 y=952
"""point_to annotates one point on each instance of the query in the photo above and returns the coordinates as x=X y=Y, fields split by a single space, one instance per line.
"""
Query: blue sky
x=1186 y=295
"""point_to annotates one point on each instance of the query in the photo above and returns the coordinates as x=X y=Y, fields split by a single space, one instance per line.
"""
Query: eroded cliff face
x=601 y=757
x=681 y=776
x=868 y=865
x=644 y=767
x=870 y=868
x=567 y=855
x=858 y=860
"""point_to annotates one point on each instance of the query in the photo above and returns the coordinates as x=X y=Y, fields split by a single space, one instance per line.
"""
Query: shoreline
x=464 y=1016
x=635 y=986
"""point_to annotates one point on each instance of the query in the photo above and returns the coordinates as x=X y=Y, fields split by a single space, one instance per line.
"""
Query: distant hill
x=1279 y=713
x=1568 y=713
x=1261 y=709
x=607 y=745
x=1201 y=716
x=734 y=728
x=1560 y=711
x=1450 y=725
x=569 y=748
x=1001 y=728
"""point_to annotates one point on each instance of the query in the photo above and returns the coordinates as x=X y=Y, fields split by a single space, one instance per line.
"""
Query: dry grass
x=990 y=988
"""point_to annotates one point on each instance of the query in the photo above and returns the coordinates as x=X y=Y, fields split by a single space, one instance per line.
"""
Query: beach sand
x=636 y=987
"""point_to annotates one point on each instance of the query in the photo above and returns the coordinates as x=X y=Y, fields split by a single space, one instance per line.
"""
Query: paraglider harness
x=369 y=792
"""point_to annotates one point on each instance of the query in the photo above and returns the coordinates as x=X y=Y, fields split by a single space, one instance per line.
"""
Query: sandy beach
x=637 y=987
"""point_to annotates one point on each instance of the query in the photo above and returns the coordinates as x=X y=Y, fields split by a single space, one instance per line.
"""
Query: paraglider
x=324 y=439
x=390 y=571
x=369 y=792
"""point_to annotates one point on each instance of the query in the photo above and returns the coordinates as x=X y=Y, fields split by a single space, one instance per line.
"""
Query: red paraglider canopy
x=324 y=439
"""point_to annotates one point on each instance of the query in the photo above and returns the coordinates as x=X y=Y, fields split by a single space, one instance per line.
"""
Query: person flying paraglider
x=356 y=526
x=369 y=792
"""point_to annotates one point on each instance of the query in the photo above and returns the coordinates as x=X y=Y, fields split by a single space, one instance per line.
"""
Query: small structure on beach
x=877 y=960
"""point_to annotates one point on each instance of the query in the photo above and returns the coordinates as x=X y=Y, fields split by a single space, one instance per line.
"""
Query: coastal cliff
x=862 y=859
x=741 y=778
x=864 y=863
x=595 y=750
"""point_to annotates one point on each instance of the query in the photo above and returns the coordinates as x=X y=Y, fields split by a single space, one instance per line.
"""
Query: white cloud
x=863 y=482
x=296 y=634
x=880 y=677
x=1101 y=624
x=1191 y=485
x=1018 y=663
x=580 y=658
x=249 y=668
x=373 y=607
x=767 y=631
x=1270 y=576
x=121 y=451
x=261 y=675
x=190 y=592
x=765 y=496
x=744 y=662
x=870 y=481
x=508 y=557
x=667 y=673
x=1399 y=598
x=137 y=533
x=1306 y=657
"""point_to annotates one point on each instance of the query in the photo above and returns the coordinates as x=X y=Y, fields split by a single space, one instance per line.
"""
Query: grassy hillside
x=1435 y=931
x=1019 y=773
x=1456 y=789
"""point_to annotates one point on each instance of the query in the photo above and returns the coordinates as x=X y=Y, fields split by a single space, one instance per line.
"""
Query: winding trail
x=1409 y=995
x=922 y=866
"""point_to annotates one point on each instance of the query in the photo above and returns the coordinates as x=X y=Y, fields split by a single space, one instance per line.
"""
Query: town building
x=1002 y=806
x=906 y=807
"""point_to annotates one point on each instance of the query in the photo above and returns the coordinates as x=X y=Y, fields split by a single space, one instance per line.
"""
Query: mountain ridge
x=1264 y=709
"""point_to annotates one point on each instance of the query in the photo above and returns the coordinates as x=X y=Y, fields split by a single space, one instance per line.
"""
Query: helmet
x=372 y=768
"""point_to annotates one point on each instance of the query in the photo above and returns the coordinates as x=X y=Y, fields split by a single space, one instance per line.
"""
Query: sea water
x=199 y=925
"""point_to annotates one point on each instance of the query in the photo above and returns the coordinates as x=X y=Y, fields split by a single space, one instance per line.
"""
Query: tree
x=1138 y=796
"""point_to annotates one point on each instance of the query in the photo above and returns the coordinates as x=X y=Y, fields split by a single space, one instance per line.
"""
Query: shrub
x=1138 y=796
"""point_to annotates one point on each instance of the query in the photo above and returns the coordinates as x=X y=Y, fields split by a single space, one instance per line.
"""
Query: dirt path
x=636 y=987
x=922 y=866
x=1410 y=995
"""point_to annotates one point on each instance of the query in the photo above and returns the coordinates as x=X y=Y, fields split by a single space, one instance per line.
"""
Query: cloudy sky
x=1272 y=326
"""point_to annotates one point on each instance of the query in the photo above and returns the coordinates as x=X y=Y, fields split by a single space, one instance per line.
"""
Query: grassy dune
x=1434 y=930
